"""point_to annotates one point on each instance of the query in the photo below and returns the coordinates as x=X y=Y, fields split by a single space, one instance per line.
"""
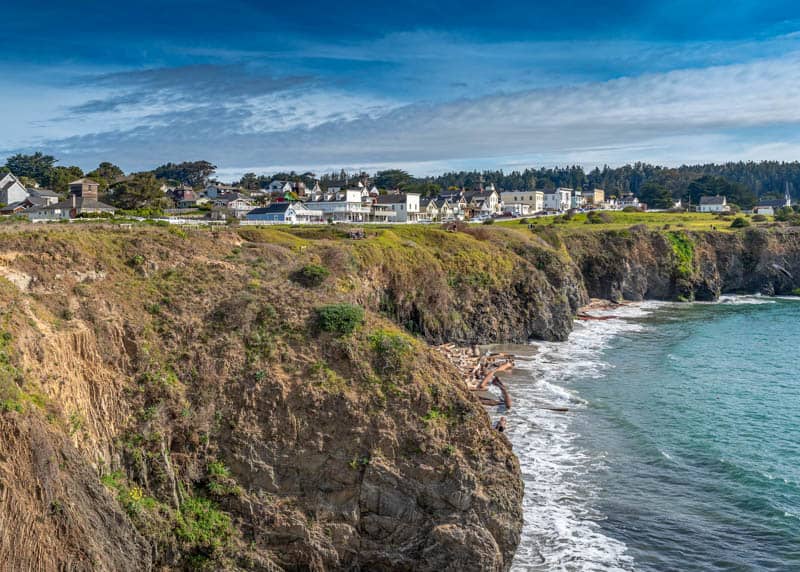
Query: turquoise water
x=681 y=450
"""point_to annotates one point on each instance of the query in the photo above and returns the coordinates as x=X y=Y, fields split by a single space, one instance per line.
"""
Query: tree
x=194 y=173
x=138 y=191
x=249 y=181
x=656 y=196
x=37 y=166
x=105 y=174
x=107 y=171
x=392 y=179
x=60 y=178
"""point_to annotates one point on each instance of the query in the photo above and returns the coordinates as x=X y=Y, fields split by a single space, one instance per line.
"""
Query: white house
x=559 y=199
x=522 y=202
x=715 y=204
x=771 y=206
x=12 y=190
x=343 y=206
x=278 y=186
x=285 y=213
x=629 y=200
x=404 y=205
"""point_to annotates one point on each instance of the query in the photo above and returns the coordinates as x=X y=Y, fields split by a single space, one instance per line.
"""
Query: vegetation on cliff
x=265 y=398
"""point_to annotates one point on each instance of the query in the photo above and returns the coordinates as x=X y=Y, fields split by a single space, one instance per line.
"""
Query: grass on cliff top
x=622 y=220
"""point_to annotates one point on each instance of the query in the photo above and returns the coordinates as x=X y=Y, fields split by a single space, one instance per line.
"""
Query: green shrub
x=489 y=221
x=594 y=217
x=391 y=350
x=740 y=222
x=202 y=525
x=759 y=218
x=340 y=318
x=311 y=275
x=683 y=248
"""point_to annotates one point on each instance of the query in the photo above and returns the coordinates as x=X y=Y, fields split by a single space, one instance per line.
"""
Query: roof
x=274 y=208
x=84 y=181
x=8 y=185
x=774 y=203
x=13 y=206
x=392 y=199
x=715 y=200
x=42 y=192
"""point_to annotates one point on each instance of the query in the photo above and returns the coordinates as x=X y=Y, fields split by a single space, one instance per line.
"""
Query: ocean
x=681 y=447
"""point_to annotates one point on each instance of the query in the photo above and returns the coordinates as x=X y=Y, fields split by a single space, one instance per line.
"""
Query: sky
x=418 y=85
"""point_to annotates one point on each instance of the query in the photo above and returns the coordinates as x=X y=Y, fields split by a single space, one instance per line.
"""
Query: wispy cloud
x=424 y=99
x=678 y=115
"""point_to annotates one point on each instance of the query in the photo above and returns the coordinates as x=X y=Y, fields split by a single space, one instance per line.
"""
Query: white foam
x=750 y=299
x=562 y=530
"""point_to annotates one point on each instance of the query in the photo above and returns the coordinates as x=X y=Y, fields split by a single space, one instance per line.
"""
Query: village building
x=559 y=199
x=44 y=196
x=343 y=206
x=232 y=205
x=279 y=186
x=522 y=203
x=429 y=210
x=577 y=201
x=12 y=190
x=629 y=200
x=595 y=197
x=285 y=213
x=31 y=202
x=83 y=200
x=771 y=206
x=216 y=190
x=483 y=202
x=715 y=204
x=406 y=206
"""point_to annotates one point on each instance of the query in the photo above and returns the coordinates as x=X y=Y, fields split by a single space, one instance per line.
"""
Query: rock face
x=171 y=401
x=638 y=265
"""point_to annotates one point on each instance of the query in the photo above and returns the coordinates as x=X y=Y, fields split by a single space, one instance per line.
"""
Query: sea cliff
x=266 y=399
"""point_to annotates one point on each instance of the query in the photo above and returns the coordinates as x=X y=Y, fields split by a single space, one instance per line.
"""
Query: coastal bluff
x=268 y=399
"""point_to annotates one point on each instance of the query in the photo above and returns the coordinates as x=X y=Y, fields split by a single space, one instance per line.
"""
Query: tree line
x=659 y=187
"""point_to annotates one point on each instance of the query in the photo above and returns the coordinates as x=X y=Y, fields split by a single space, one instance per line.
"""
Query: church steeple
x=787 y=196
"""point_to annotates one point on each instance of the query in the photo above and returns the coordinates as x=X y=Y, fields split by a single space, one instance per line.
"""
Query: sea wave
x=562 y=530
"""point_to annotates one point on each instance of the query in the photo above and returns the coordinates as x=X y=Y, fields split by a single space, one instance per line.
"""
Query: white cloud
x=733 y=111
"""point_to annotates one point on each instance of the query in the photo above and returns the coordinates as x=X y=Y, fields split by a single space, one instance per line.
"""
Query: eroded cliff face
x=168 y=401
x=678 y=265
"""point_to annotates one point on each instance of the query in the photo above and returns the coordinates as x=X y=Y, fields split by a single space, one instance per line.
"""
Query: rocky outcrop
x=673 y=265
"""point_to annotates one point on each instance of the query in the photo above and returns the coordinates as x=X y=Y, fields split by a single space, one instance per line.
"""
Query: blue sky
x=425 y=86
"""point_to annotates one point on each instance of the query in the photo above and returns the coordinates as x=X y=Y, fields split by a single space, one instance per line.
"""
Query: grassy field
x=621 y=220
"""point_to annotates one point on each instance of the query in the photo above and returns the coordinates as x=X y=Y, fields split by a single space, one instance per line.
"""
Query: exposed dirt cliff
x=170 y=400
x=263 y=399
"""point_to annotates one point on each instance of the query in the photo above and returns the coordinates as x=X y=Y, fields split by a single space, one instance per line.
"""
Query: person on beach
x=501 y=424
